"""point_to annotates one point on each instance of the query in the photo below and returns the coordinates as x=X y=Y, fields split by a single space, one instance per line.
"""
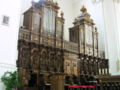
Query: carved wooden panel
x=35 y=62
x=59 y=61
x=71 y=67
x=24 y=55
x=67 y=67
x=44 y=61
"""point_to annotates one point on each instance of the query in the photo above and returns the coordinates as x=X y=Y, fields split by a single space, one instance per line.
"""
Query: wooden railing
x=24 y=34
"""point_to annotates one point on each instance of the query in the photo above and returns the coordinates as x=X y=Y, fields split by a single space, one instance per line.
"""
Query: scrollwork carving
x=51 y=59
x=59 y=62
x=44 y=60
x=25 y=57
x=35 y=59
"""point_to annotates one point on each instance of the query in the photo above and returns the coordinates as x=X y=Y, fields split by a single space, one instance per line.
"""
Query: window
x=5 y=20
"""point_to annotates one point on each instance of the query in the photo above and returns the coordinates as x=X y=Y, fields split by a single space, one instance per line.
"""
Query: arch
x=35 y=58
x=44 y=58
x=25 y=56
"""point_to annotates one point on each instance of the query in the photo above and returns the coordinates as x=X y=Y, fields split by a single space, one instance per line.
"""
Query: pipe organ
x=85 y=34
x=47 y=61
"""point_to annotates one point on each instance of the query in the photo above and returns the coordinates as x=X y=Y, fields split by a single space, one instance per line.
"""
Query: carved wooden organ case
x=85 y=35
x=41 y=40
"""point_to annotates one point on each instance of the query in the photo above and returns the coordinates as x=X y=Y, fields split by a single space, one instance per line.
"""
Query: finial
x=84 y=9
x=75 y=19
x=92 y=22
x=62 y=14
x=95 y=29
x=56 y=3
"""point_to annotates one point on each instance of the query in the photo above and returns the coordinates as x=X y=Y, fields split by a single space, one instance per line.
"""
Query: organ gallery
x=48 y=62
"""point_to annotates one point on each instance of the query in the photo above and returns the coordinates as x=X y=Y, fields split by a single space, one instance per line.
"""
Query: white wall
x=112 y=37
x=117 y=18
x=9 y=36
